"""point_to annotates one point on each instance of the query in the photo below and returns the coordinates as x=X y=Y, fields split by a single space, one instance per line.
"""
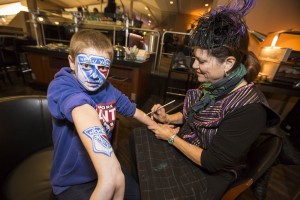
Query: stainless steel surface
x=119 y=51
x=152 y=43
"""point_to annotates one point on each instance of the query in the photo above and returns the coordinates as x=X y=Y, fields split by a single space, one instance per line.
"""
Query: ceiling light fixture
x=206 y=5
x=171 y=2
x=149 y=14
x=146 y=8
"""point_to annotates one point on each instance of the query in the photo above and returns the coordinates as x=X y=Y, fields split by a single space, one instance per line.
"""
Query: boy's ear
x=71 y=62
x=229 y=63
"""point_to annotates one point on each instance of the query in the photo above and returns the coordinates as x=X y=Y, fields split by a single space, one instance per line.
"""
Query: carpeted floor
x=285 y=179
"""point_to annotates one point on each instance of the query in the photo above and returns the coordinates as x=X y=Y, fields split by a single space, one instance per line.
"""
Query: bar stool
x=12 y=59
x=180 y=67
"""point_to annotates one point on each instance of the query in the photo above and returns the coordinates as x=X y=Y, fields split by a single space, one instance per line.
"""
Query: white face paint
x=92 y=70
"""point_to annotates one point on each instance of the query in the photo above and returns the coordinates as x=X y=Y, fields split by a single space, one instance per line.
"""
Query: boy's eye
x=103 y=68
x=85 y=66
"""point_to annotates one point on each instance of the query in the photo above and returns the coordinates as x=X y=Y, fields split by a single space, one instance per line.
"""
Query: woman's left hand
x=163 y=131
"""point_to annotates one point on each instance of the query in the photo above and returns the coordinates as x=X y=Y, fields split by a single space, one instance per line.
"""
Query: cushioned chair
x=259 y=162
x=26 y=148
x=10 y=57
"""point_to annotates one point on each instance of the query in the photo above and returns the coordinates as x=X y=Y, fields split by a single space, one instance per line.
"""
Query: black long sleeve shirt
x=234 y=138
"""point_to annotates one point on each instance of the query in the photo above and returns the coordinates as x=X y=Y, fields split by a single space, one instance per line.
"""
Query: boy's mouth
x=92 y=83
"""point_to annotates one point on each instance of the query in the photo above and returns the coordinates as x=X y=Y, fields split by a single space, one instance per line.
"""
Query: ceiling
x=159 y=10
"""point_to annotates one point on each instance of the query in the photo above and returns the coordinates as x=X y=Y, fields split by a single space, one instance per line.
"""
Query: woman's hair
x=89 y=38
x=223 y=32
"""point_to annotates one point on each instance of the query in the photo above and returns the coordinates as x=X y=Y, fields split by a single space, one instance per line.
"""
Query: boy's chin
x=91 y=87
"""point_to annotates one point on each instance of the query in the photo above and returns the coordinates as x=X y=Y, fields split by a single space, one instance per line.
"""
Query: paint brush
x=161 y=107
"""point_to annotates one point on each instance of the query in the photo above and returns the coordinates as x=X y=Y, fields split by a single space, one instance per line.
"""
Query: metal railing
x=162 y=46
x=78 y=24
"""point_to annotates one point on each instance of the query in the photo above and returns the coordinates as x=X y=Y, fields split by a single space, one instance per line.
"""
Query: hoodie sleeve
x=64 y=94
x=124 y=105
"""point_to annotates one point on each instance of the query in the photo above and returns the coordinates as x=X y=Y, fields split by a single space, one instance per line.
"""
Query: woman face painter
x=220 y=120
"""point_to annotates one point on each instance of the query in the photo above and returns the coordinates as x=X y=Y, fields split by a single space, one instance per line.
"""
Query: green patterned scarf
x=214 y=91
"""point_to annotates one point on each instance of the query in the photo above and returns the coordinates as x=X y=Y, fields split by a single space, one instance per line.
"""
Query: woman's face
x=91 y=68
x=207 y=67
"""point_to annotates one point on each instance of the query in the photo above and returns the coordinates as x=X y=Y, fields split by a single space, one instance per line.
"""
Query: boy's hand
x=163 y=131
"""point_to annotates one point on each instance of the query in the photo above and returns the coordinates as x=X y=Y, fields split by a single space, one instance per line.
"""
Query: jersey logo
x=107 y=115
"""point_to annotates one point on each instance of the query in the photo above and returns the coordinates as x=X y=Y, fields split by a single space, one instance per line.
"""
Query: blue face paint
x=92 y=71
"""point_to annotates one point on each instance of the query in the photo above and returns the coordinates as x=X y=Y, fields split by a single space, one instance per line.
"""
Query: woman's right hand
x=159 y=115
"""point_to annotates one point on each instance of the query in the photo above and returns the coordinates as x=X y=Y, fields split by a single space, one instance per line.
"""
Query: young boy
x=84 y=105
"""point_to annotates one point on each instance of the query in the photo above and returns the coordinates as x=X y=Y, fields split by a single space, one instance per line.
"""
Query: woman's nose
x=195 y=65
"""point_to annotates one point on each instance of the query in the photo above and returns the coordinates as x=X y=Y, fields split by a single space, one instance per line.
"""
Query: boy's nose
x=95 y=76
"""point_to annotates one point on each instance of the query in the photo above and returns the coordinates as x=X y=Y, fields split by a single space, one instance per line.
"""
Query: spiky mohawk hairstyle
x=223 y=26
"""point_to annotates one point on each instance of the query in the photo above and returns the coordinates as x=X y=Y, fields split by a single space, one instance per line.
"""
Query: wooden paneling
x=44 y=67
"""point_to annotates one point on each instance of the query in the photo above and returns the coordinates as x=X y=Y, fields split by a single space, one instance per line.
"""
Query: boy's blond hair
x=89 y=38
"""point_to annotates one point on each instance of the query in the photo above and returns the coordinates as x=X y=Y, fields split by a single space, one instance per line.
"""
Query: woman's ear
x=71 y=62
x=229 y=63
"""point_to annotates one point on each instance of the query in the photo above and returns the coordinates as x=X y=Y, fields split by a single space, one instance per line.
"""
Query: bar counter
x=287 y=91
x=130 y=77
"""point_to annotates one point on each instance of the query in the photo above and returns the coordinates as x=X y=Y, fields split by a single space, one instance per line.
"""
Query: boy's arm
x=111 y=182
x=142 y=117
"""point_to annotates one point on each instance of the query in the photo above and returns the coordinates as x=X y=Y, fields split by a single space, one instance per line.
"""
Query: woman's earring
x=226 y=74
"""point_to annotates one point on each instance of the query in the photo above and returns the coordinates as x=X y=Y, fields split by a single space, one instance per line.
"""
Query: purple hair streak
x=223 y=26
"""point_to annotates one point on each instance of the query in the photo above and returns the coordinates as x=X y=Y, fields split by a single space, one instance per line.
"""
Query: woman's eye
x=200 y=61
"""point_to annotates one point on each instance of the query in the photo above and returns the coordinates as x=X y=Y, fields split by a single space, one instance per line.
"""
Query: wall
x=179 y=22
x=271 y=15
x=274 y=15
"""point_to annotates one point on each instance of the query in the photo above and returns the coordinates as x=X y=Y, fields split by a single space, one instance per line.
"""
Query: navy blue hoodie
x=71 y=162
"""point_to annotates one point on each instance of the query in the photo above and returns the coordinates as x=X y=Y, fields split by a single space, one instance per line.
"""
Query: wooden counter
x=132 y=78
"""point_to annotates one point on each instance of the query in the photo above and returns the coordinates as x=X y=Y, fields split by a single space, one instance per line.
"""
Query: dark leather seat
x=25 y=148
x=260 y=159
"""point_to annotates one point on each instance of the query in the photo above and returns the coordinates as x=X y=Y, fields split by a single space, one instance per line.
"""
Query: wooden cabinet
x=45 y=63
x=131 y=78
x=44 y=67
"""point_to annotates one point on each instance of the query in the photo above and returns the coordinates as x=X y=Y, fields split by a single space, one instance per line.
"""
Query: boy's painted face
x=92 y=70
